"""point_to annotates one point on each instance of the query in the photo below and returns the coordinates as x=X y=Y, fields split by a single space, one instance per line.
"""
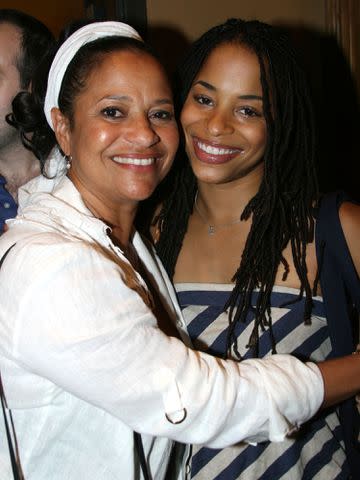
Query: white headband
x=68 y=50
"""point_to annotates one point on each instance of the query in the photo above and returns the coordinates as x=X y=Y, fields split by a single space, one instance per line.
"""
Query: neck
x=119 y=218
x=18 y=165
x=224 y=203
x=121 y=221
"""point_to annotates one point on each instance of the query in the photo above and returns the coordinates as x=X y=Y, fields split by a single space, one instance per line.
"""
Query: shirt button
x=6 y=205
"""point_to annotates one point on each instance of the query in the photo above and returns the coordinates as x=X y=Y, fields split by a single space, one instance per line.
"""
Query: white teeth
x=134 y=161
x=215 y=150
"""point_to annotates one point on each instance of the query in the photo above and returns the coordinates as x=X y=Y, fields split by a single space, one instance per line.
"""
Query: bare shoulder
x=349 y=214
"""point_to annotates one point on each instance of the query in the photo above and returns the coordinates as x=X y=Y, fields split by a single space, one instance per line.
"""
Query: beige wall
x=189 y=17
x=193 y=17
x=54 y=13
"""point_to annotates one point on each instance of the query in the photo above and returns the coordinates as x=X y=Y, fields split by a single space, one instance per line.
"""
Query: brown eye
x=162 y=115
x=203 y=100
x=112 y=112
x=249 y=112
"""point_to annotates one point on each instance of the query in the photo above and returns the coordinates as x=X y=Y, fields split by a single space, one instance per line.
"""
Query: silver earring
x=68 y=162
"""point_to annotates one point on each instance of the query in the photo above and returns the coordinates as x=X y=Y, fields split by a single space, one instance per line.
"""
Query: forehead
x=127 y=68
x=231 y=62
x=10 y=37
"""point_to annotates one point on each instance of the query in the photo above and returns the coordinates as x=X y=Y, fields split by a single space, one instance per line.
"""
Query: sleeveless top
x=317 y=451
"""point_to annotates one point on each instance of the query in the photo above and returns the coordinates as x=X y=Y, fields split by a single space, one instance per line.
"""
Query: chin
x=143 y=194
x=206 y=176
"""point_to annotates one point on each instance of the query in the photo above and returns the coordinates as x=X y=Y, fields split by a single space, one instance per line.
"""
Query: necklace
x=212 y=227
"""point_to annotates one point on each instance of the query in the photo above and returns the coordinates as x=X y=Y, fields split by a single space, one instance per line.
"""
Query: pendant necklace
x=212 y=227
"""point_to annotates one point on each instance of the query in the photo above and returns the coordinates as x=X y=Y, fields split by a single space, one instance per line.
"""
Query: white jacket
x=83 y=363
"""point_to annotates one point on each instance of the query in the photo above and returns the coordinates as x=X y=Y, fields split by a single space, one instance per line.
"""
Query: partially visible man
x=24 y=42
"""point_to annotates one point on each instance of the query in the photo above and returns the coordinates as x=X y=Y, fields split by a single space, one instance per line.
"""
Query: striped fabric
x=317 y=452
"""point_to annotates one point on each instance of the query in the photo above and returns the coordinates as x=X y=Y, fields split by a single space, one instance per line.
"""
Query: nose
x=141 y=132
x=219 y=123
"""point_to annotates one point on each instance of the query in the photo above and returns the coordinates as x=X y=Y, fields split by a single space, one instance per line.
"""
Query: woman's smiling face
x=222 y=118
x=123 y=135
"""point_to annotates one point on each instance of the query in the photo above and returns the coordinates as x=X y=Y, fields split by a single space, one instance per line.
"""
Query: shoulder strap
x=14 y=454
x=13 y=451
x=141 y=454
x=5 y=254
x=338 y=278
x=330 y=233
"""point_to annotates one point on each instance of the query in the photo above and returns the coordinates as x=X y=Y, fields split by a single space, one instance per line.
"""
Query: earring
x=68 y=162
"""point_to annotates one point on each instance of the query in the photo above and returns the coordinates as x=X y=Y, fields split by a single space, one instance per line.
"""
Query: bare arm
x=349 y=214
x=341 y=378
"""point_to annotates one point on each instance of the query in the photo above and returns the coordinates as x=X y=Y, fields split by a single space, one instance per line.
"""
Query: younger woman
x=237 y=234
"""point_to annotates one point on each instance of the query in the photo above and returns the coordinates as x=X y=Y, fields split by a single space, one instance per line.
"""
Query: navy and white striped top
x=317 y=452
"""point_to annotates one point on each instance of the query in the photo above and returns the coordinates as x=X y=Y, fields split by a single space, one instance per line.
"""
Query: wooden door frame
x=342 y=18
x=128 y=11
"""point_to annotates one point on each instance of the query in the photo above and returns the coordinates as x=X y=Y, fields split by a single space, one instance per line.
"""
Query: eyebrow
x=126 y=98
x=241 y=97
x=163 y=101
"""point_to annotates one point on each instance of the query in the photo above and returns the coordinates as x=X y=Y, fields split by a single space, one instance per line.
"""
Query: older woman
x=83 y=360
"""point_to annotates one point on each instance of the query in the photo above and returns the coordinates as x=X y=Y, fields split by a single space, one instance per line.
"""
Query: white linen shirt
x=83 y=363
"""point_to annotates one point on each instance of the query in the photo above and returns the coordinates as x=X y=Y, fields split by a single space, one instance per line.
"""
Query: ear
x=62 y=130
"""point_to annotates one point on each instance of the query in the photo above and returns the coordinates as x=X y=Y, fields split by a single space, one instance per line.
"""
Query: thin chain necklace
x=212 y=227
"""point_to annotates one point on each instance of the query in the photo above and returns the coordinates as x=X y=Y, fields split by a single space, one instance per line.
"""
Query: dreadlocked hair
x=283 y=208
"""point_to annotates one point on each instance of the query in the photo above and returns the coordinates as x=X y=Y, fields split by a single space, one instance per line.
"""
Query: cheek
x=102 y=137
x=93 y=138
x=172 y=140
x=13 y=81
x=262 y=138
x=188 y=115
x=6 y=96
x=257 y=136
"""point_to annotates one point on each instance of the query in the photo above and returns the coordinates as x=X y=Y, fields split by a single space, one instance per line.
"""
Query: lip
x=214 y=153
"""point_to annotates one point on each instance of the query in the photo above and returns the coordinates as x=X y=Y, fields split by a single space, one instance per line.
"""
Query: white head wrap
x=68 y=50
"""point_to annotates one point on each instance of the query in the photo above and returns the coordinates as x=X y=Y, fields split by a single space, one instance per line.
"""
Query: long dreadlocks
x=282 y=209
